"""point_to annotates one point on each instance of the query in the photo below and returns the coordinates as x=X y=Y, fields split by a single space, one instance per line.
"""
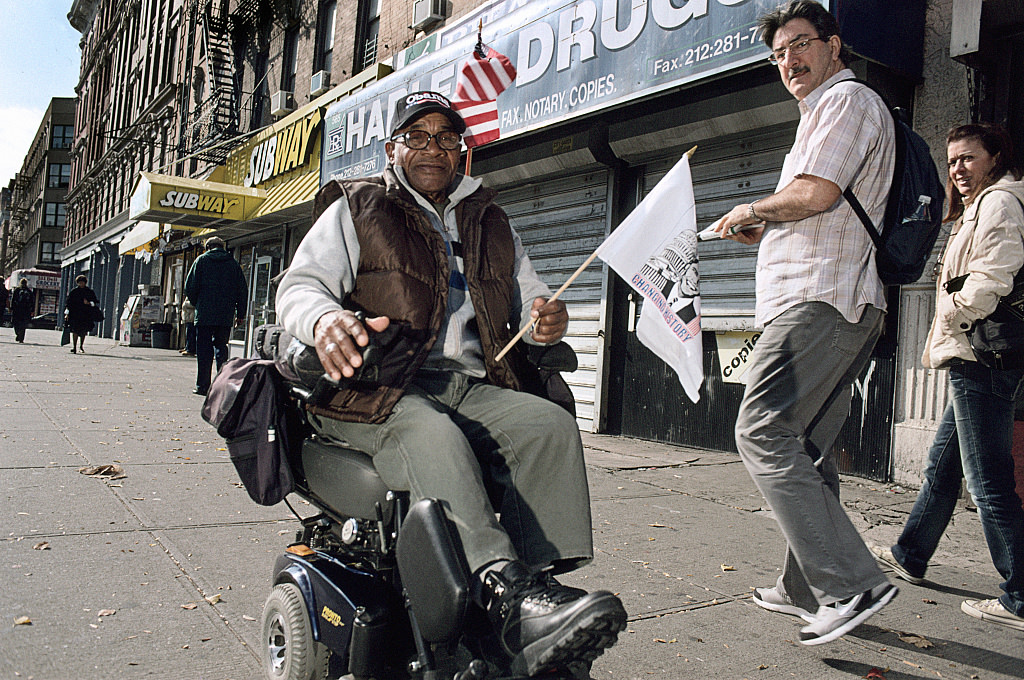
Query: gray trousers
x=483 y=449
x=805 y=354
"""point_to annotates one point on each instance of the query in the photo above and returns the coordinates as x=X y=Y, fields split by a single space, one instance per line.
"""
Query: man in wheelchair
x=424 y=247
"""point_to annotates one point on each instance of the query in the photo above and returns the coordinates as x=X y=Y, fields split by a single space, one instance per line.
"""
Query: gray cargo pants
x=803 y=355
x=483 y=449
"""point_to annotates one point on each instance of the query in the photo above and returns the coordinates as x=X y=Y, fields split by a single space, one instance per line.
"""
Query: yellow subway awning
x=191 y=202
x=139 y=237
x=290 y=193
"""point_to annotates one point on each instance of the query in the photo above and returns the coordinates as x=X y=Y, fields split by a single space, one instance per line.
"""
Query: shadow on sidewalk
x=946 y=650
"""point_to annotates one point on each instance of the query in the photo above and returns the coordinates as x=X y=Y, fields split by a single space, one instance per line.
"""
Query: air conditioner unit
x=427 y=12
x=319 y=83
x=281 y=103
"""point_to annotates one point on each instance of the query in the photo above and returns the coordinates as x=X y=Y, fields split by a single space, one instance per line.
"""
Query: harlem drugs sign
x=572 y=58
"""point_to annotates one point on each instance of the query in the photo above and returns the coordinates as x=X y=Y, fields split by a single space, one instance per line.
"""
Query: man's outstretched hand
x=551 y=320
x=339 y=337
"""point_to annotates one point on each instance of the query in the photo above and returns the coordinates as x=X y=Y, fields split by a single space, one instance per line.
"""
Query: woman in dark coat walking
x=23 y=302
x=80 y=312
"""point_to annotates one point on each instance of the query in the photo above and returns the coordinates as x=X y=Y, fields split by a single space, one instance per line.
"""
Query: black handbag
x=96 y=312
x=998 y=340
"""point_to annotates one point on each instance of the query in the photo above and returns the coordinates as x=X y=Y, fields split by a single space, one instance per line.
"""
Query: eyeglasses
x=798 y=46
x=448 y=140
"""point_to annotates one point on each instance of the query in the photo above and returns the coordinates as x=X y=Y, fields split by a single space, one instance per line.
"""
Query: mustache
x=797 y=70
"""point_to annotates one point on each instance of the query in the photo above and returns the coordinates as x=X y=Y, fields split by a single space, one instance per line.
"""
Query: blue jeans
x=974 y=442
x=211 y=343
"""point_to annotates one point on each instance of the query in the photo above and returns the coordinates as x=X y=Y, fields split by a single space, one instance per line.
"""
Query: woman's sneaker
x=774 y=601
x=839 y=618
x=994 y=611
x=886 y=558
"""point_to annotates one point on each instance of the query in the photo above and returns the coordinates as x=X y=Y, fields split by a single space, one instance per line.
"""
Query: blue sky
x=39 y=59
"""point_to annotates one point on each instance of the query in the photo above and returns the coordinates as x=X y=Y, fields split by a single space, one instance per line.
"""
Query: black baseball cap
x=415 y=105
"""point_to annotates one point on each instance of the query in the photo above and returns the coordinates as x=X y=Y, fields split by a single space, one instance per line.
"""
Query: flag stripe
x=480 y=81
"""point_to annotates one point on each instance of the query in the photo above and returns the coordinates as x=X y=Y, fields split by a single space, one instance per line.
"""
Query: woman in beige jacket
x=975 y=435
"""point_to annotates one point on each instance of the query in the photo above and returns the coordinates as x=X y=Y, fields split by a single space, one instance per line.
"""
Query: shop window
x=59 y=175
x=325 y=36
x=56 y=215
x=62 y=136
x=369 y=24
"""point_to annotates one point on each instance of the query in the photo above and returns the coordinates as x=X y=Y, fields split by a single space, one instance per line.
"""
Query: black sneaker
x=546 y=626
x=839 y=618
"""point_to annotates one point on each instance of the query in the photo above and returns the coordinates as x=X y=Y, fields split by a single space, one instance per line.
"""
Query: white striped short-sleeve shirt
x=846 y=136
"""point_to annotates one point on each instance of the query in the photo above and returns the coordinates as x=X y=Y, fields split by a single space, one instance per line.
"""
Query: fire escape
x=216 y=108
x=211 y=120
x=19 y=216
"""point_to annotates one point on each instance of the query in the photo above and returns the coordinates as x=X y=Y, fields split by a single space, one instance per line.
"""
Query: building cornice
x=80 y=12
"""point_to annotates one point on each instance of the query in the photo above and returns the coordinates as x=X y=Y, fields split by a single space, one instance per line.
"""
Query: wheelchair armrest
x=557 y=358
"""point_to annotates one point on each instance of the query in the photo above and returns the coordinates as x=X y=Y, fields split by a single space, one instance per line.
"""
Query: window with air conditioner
x=319 y=83
x=281 y=103
x=426 y=13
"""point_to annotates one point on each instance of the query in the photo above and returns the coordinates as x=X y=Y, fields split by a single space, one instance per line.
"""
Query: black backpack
x=247 y=403
x=913 y=213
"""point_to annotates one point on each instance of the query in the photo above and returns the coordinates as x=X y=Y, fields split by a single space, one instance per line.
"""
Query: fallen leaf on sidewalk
x=666 y=642
x=22 y=621
x=246 y=617
x=213 y=599
x=42 y=545
x=728 y=567
x=877 y=673
x=190 y=605
x=106 y=612
x=109 y=471
x=916 y=640
x=927 y=601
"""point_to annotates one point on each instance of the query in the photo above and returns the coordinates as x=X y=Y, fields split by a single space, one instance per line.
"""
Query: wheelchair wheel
x=289 y=651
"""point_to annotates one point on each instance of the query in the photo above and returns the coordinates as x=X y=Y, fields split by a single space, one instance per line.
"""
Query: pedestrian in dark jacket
x=217 y=288
x=5 y=295
x=80 y=312
x=23 y=302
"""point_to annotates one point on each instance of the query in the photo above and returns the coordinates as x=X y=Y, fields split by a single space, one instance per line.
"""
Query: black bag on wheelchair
x=248 y=404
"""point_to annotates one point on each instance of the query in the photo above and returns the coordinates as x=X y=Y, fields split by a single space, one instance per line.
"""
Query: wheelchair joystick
x=477 y=671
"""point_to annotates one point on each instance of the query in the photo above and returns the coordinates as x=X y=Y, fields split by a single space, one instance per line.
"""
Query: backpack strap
x=869 y=226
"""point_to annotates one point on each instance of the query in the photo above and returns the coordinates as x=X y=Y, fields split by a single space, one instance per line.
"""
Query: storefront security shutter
x=561 y=222
x=727 y=171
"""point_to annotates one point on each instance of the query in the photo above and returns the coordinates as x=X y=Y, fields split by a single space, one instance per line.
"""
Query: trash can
x=160 y=335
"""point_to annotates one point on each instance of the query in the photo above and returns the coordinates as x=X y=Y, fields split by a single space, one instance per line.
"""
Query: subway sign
x=573 y=58
x=277 y=152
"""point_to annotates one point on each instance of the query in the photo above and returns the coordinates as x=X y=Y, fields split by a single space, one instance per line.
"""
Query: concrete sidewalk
x=163 y=573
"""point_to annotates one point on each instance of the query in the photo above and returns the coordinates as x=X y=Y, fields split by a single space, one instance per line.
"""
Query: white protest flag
x=655 y=251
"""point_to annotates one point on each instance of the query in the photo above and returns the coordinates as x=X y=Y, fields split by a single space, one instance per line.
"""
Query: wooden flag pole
x=479 y=49
x=575 y=274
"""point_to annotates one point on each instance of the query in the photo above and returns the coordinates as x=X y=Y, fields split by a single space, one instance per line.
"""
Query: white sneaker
x=774 y=601
x=839 y=618
x=885 y=556
x=994 y=611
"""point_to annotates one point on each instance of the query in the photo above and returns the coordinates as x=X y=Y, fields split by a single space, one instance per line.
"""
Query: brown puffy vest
x=403 y=275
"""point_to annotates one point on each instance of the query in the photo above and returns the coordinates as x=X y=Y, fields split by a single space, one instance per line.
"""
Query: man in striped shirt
x=822 y=306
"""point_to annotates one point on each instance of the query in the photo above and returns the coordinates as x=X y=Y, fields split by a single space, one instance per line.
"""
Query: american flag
x=481 y=79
